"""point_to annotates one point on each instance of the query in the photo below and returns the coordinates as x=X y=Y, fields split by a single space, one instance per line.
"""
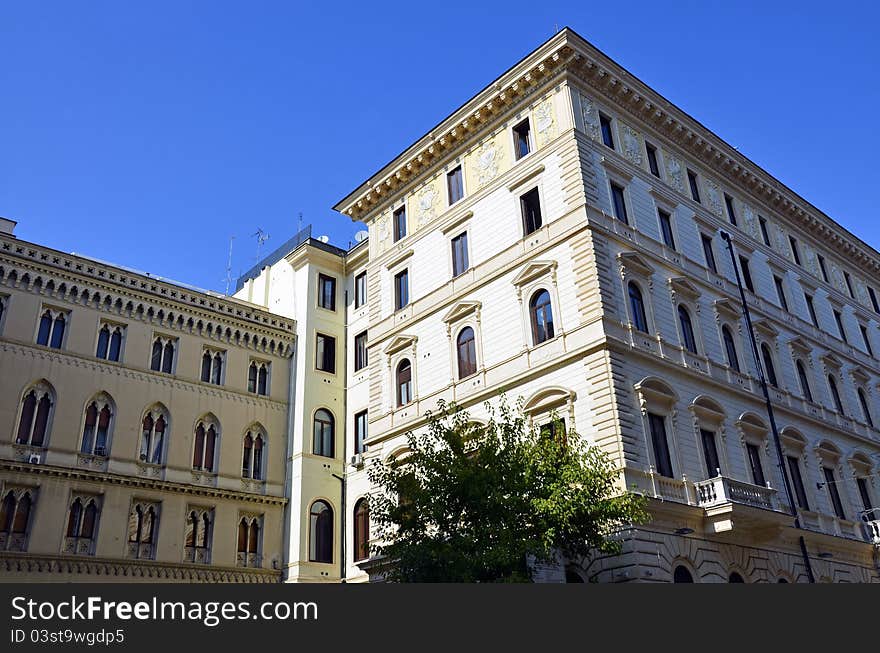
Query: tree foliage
x=473 y=502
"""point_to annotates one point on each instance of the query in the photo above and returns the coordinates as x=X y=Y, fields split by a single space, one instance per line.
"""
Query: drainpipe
x=343 y=533
x=288 y=456
x=769 y=405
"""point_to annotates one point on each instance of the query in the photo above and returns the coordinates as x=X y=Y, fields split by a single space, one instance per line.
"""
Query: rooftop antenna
x=262 y=237
x=300 y=222
x=229 y=265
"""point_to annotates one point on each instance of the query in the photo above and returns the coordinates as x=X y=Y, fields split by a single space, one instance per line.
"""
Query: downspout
x=343 y=510
x=769 y=405
x=288 y=467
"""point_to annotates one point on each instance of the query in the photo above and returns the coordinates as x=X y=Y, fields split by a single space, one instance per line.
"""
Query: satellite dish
x=324 y=239
x=361 y=236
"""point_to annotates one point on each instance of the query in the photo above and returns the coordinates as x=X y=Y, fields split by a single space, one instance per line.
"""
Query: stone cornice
x=111 y=568
x=567 y=52
x=142 y=482
x=77 y=270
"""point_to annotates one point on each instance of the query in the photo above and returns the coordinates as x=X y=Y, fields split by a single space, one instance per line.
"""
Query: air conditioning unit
x=34 y=459
x=357 y=460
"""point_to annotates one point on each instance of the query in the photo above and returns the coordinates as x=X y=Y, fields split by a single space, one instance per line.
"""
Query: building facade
x=145 y=426
x=558 y=237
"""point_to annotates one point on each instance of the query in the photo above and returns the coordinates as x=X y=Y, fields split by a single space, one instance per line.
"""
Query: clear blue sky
x=149 y=133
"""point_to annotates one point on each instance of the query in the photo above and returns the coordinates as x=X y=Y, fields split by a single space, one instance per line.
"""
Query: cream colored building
x=558 y=236
x=144 y=426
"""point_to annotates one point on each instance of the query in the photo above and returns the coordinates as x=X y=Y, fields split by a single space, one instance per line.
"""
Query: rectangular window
x=746 y=273
x=710 y=453
x=399 y=223
x=838 y=318
x=865 y=339
x=325 y=353
x=652 y=159
x=618 y=203
x=797 y=480
x=327 y=292
x=530 y=205
x=110 y=341
x=709 y=253
x=873 y=296
x=833 y=492
x=862 y=484
x=812 y=309
x=401 y=289
x=455 y=185
x=660 y=444
x=780 y=292
x=666 y=228
x=692 y=182
x=459 y=254
x=821 y=260
x=360 y=290
x=605 y=123
x=849 y=286
x=731 y=214
x=522 y=139
x=360 y=351
x=764 y=235
x=755 y=464
x=795 y=250
x=360 y=431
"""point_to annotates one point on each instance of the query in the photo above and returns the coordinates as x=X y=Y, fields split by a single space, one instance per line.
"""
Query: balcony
x=736 y=505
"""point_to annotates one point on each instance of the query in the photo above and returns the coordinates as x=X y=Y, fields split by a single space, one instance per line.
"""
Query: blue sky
x=150 y=133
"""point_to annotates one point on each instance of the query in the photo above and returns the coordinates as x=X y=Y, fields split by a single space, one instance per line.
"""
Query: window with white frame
x=110 y=341
x=162 y=354
x=35 y=418
x=253 y=453
x=97 y=425
x=258 y=377
x=154 y=432
x=205 y=444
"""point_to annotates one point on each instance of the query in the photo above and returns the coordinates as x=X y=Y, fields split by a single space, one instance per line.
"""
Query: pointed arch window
x=541 y=312
x=162 y=356
x=404 y=382
x=637 y=308
x=835 y=394
x=82 y=524
x=466 y=350
x=51 y=330
x=866 y=411
x=769 y=369
x=142 y=528
x=324 y=437
x=730 y=348
x=362 y=530
x=198 y=535
x=212 y=366
x=689 y=340
x=36 y=412
x=252 y=455
x=321 y=532
x=258 y=377
x=249 y=542
x=110 y=342
x=15 y=518
x=804 y=381
x=153 y=433
x=96 y=428
x=204 y=446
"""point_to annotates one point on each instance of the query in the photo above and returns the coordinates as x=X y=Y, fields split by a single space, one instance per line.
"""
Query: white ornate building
x=558 y=237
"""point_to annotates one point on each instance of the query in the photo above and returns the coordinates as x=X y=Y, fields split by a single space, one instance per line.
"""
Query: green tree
x=474 y=502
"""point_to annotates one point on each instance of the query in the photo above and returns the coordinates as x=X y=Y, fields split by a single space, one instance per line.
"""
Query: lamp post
x=769 y=405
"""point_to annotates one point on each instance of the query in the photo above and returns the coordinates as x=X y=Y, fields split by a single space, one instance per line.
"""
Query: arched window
x=141 y=530
x=541 y=313
x=205 y=444
x=162 y=356
x=252 y=455
x=197 y=539
x=96 y=429
x=82 y=520
x=154 y=429
x=804 y=381
x=637 y=308
x=863 y=400
x=681 y=574
x=730 y=348
x=735 y=578
x=835 y=395
x=322 y=444
x=361 y=530
x=15 y=512
x=249 y=542
x=51 y=331
x=687 y=329
x=109 y=342
x=258 y=378
x=769 y=370
x=212 y=367
x=36 y=411
x=467 y=353
x=321 y=532
x=103 y=342
x=404 y=383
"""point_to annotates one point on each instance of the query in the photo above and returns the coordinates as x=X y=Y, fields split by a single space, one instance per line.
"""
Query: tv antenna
x=229 y=266
x=261 y=237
